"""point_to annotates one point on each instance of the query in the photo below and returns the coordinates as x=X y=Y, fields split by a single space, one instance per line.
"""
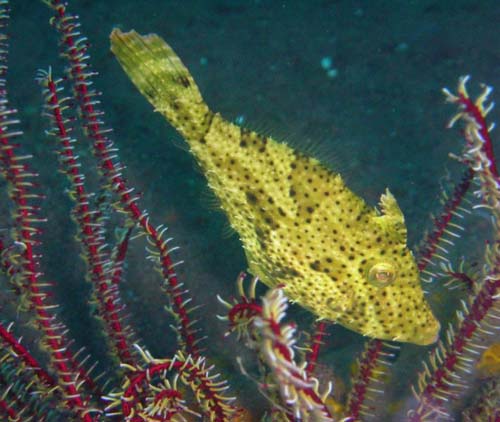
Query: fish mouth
x=430 y=334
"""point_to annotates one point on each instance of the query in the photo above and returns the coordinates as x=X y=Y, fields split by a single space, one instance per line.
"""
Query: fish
x=300 y=226
x=489 y=364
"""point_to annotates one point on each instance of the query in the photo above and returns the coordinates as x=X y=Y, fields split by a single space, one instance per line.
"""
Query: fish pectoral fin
x=255 y=269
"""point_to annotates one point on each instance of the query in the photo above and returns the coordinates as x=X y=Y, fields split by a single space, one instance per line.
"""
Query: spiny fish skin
x=299 y=224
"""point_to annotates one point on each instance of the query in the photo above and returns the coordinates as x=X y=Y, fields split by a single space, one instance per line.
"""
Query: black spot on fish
x=315 y=266
x=271 y=222
x=251 y=198
x=184 y=81
x=207 y=124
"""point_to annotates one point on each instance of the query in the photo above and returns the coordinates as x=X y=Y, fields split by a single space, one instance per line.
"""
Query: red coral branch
x=441 y=224
x=296 y=391
x=317 y=341
x=148 y=393
x=25 y=356
x=75 y=51
x=18 y=175
x=445 y=380
x=91 y=238
x=23 y=196
x=9 y=411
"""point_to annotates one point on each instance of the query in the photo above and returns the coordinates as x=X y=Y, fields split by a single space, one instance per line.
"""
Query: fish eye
x=382 y=274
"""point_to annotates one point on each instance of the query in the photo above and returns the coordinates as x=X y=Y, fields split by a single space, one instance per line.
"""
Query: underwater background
x=356 y=82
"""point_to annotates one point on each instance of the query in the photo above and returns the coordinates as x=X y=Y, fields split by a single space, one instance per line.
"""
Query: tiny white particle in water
x=402 y=47
x=326 y=62
x=332 y=73
x=239 y=120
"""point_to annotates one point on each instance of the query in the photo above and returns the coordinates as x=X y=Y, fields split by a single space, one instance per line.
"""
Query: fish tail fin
x=162 y=78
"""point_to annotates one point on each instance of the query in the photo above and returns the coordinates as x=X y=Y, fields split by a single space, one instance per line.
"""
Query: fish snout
x=429 y=334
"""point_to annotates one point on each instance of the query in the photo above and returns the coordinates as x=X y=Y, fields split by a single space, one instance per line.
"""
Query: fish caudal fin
x=162 y=78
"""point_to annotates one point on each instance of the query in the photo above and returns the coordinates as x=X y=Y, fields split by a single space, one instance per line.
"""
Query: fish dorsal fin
x=391 y=219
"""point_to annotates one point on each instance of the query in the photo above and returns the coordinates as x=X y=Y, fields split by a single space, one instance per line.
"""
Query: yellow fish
x=489 y=364
x=299 y=224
